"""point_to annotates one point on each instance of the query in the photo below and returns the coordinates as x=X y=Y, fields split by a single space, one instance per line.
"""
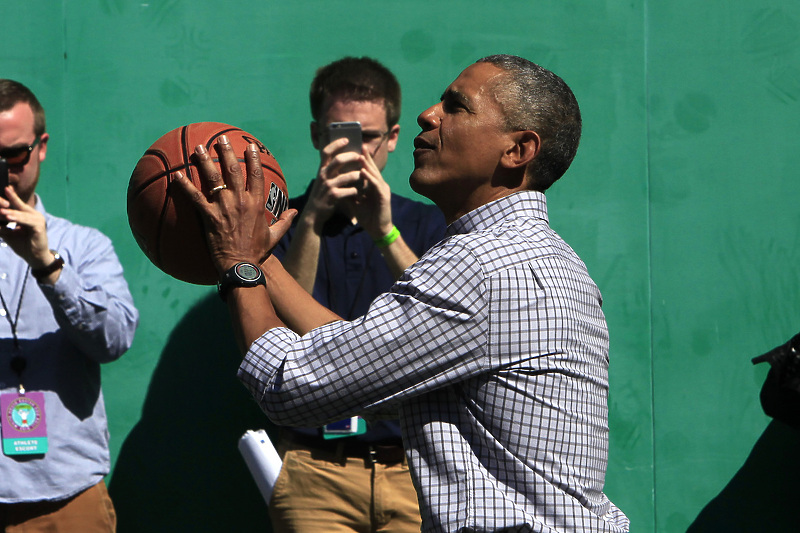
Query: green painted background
x=683 y=201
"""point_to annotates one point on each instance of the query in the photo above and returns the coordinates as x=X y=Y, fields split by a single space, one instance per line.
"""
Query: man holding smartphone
x=65 y=309
x=351 y=240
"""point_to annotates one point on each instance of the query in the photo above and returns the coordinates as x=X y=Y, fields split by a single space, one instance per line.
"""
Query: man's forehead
x=343 y=101
x=476 y=78
x=371 y=113
x=16 y=125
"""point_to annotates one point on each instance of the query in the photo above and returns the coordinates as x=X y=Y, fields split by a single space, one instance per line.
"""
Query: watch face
x=247 y=272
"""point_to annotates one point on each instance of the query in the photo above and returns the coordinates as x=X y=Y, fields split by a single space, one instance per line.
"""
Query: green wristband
x=389 y=238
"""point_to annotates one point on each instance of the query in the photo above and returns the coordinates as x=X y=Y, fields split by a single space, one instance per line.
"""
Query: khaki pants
x=90 y=511
x=322 y=491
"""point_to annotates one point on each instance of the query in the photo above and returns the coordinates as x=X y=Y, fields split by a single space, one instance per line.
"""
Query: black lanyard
x=18 y=362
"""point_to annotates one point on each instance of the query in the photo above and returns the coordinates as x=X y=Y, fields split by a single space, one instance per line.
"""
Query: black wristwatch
x=240 y=275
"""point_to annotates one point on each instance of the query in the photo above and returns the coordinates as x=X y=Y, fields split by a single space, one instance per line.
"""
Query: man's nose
x=429 y=118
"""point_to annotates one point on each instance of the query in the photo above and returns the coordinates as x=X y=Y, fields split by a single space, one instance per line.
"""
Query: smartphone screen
x=352 y=132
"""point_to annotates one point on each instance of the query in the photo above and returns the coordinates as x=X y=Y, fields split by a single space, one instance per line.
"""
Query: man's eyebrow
x=17 y=146
x=454 y=96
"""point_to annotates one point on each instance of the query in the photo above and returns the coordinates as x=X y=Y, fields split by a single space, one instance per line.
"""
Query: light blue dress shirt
x=65 y=332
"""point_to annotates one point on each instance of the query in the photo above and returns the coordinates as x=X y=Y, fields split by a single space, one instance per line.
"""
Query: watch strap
x=40 y=273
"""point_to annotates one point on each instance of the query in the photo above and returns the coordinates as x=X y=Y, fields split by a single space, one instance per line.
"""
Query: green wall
x=683 y=201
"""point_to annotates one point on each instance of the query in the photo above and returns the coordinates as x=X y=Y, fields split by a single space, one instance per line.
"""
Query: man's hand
x=28 y=238
x=236 y=228
x=331 y=186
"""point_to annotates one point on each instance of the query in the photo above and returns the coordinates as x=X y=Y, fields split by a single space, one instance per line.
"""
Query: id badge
x=349 y=427
x=23 y=425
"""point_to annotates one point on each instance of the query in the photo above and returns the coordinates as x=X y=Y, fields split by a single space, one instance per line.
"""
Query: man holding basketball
x=351 y=241
x=493 y=345
x=66 y=309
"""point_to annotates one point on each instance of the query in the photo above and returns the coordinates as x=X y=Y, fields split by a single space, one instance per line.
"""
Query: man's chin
x=420 y=185
x=415 y=181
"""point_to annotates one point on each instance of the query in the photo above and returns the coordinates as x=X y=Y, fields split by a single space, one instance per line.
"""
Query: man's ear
x=43 y=146
x=526 y=147
x=314 y=127
x=393 y=134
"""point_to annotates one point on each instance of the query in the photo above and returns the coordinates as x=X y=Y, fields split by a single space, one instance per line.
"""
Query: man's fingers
x=341 y=188
x=23 y=218
x=229 y=164
x=334 y=146
x=188 y=189
x=14 y=200
x=282 y=225
x=278 y=230
x=369 y=163
x=210 y=176
x=255 y=174
x=15 y=211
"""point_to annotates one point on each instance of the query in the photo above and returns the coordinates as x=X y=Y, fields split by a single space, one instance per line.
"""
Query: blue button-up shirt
x=65 y=332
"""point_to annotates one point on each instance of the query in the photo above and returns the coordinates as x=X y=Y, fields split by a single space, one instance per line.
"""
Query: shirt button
x=3 y=275
x=3 y=312
x=354 y=255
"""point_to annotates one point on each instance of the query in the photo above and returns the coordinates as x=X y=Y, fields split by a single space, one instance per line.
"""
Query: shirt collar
x=527 y=204
x=39 y=206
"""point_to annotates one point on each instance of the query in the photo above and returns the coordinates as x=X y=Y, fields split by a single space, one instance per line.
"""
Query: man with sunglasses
x=352 y=240
x=66 y=309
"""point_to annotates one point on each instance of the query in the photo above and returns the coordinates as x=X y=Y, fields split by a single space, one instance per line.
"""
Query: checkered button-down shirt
x=494 y=349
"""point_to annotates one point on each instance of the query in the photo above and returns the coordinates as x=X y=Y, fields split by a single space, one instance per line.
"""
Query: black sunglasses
x=17 y=157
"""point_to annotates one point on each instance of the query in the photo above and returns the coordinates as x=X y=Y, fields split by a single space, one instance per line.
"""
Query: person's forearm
x=302 y=256
x=284 y=303
x=295 y=307
x=91 y=301
x=252 y=314
x=398 y=256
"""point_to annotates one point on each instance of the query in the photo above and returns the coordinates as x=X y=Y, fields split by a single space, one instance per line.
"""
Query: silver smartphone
x=350 y=131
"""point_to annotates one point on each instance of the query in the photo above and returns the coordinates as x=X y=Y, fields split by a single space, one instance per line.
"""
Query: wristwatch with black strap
x=240 y=275
x=40 y=273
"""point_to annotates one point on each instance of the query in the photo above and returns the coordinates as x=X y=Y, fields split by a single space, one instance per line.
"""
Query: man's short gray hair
x=533 y=98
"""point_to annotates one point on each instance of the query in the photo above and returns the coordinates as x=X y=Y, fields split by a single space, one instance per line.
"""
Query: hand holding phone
x=350 y=131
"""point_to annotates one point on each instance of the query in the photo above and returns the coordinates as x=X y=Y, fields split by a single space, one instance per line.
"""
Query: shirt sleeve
x=91 y=301
x=428 y=332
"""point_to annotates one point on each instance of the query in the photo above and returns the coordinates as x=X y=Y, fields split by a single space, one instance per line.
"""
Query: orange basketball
x=164 y=222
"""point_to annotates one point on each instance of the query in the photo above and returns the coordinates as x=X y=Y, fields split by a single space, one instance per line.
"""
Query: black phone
x=350 y=131
x=3 y=182
x=3 y=176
